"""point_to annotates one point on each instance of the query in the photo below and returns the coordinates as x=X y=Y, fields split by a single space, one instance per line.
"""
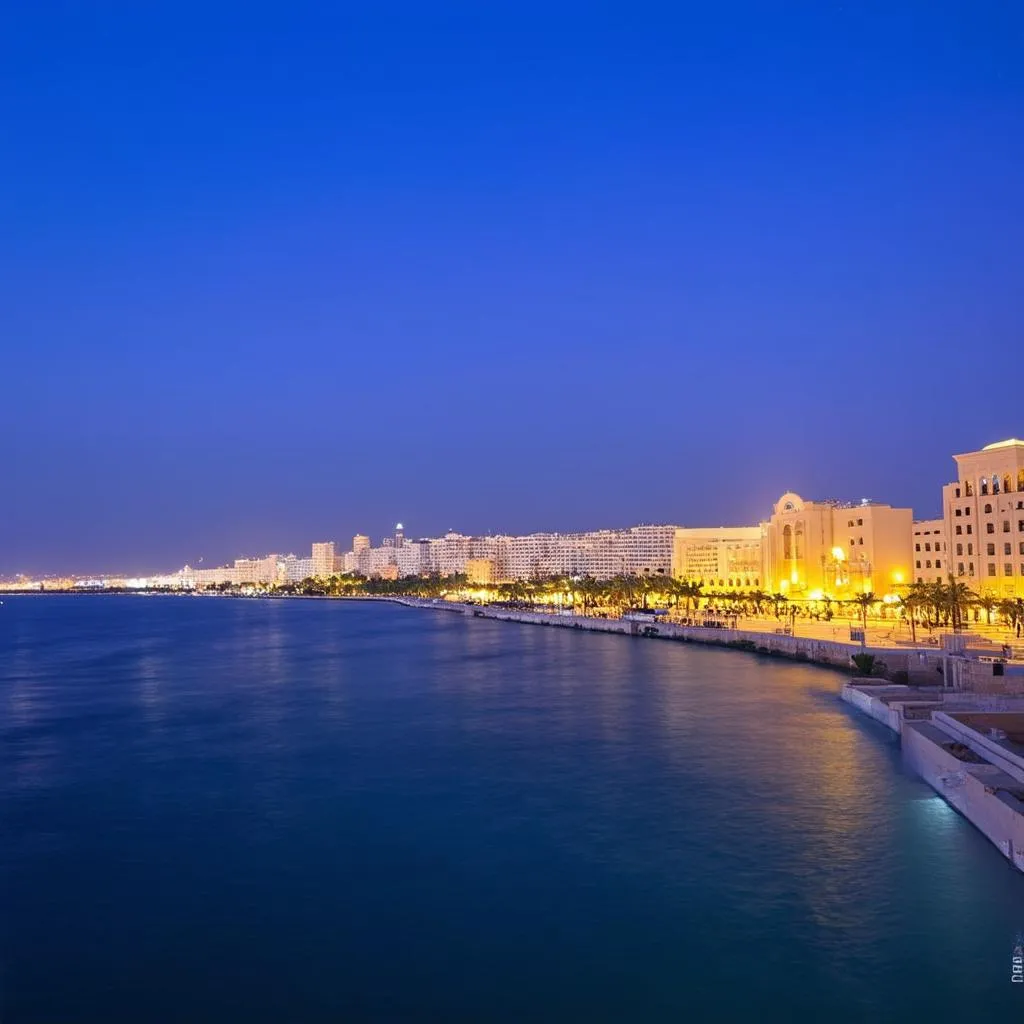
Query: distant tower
x=399 y=535
x=360 y=542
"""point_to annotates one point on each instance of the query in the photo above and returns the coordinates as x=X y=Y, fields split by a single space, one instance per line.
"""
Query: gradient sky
x=271 y=273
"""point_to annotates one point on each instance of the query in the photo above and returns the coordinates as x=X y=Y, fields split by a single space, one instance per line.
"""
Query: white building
x=931 y=561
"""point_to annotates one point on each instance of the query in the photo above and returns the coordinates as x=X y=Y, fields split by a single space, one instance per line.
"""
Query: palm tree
x=957 y=597
x=1012 y=610
x=865 y=600
x=989 y=603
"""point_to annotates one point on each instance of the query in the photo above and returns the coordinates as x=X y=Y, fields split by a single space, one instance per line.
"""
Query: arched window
x=988 y=508
x=1007 y=484
x=969 y=489
x=799 y=541
x=984 y=486
x=787 y=541
x=1020 y=479
x=995 y=484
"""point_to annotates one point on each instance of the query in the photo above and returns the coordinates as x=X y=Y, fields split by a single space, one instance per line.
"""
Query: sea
x=222 y=809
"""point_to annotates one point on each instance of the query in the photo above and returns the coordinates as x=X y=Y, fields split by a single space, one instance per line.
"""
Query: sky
x=276 y=273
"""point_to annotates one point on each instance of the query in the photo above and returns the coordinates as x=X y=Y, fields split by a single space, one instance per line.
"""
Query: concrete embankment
x=921 y=666
x=964 y=746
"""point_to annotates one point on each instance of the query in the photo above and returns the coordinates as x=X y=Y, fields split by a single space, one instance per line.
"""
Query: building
x=826 y=548
x=256 y=570
x=931 y=562
x=480 y=571
x=983 y=513
x=214 y=577
x=323 y=558
x=295 y=570
x=722 y=558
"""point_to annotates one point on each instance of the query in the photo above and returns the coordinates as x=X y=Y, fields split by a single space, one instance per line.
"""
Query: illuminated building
x=323 y=558
x=983 y=511
x=722 y=558
x=256 y=570
x=931 y=562
x=480 y=571
x=835 y=549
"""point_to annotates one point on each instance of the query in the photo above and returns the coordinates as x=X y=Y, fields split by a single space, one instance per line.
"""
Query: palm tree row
x=931 y=605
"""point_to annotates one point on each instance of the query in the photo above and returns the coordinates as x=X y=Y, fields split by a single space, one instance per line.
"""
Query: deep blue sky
x=271 y=273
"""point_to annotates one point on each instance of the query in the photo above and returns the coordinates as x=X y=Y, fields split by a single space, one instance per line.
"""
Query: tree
x=956 y=596
x=865 y=601
x=989 y=603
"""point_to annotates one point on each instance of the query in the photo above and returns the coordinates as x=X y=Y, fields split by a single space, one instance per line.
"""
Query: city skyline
x=806 y=548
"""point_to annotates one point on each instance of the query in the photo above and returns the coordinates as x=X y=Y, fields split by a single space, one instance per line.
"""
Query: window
x=990 y=549
x=1020 y=479
x=1008 y=569
x=850 y=523
x=860 y=522
x=917 y=564
x=995 y=484
x=917 y=547
x=991 y=568
x=970 y=568
x=860 y=540
x=1007 y=549
x=1007 y=484
x=969 y=490
x=970 y=549
x=959 y=568
x=984 y=487
x=1020 y=525
x=967 y=510
x=959 y=530
x=988 y=509
x=957 y=492
x=959 y=549
x=969 y=530
x=938 y=564
x=787 y=541
x=1022 y=547
x=1006 y=526
x=958 y=512
x=990 y=527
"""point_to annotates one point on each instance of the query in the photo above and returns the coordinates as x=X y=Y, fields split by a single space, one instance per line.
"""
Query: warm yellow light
x=816 y=595
x=867 y=586
x=838 y=554
x=783 y=584
x=897 y=577
x=794 y=577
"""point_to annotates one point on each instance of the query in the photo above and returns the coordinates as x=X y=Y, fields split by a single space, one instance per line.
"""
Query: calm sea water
x=284 y=811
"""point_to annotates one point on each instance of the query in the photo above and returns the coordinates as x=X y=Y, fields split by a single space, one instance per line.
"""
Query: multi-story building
x=295 y=570
x=480 y=571
x=256 y=570
x=214 y=577
x=931 y=562
x=725 y=558
x=323 y=557
x=815 y=548
x=983 y=512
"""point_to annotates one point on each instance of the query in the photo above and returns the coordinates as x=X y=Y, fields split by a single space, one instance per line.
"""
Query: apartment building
x=931 y=561
x=983 y=515
x=722 y=558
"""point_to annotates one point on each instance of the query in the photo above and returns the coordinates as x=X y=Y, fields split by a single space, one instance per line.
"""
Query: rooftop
x=1010 y=443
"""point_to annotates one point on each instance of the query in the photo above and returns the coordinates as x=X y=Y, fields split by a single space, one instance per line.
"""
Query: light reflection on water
x=366 y=812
